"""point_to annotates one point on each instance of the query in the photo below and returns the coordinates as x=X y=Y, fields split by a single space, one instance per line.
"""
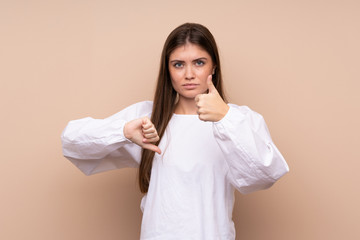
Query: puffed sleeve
x=98 y=145
x=254 y=161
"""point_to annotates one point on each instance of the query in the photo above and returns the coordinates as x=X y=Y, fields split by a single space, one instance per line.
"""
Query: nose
x=189 y=73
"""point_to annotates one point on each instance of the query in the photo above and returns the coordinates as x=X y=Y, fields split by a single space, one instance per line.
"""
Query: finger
x=150 y=135
x=149 y=130
x=151 y=140
x=210 y=84
x=202 y=117
x=197 y=98
x=146 y=123
x=152 y=147
x=200 y=111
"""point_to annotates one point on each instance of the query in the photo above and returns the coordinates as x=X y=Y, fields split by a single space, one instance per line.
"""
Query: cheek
x=175 y=77
x=203 y=75
x=175 y=82
x=204 y=71
x=175 y=74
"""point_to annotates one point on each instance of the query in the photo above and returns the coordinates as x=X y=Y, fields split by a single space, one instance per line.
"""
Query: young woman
x=192 y=148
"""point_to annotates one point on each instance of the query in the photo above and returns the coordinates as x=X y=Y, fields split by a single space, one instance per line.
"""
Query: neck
x=186 y=106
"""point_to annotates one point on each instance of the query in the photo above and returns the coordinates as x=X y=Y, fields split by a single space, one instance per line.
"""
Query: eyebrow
x=181 y=61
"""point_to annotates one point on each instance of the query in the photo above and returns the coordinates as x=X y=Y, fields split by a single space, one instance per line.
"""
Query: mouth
x=190 y=85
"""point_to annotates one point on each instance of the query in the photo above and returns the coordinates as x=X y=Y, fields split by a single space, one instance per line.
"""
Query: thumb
x=152 y=147
x=210 y=84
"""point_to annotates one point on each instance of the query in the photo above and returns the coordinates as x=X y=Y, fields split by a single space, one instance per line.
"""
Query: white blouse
x=191 y=192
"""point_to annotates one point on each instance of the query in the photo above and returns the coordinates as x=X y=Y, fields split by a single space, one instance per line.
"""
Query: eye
x=199 y=63
x=177 y=65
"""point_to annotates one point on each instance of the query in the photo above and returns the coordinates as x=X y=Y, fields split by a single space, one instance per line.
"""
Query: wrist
x=225 y=110
x=125 y=131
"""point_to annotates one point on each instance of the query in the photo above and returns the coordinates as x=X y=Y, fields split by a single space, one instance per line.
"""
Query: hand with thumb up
x=211 y=107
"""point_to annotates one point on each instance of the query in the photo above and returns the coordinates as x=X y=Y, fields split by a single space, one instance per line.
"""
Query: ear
x=213 y=71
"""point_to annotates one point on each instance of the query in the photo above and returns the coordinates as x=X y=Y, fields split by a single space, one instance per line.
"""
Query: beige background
x=295 y=62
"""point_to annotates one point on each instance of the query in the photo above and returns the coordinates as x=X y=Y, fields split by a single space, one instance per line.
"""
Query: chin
x=189 y=95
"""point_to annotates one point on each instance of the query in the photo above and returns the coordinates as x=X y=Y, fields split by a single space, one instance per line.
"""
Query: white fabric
x=191 y=192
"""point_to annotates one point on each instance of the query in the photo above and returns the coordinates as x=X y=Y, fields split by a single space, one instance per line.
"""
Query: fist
x=142 y=132
x=211 y=107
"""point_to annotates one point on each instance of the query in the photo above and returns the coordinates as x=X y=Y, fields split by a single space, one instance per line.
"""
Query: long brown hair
x=165 y=95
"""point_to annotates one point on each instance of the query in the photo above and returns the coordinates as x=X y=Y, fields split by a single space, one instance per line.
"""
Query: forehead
x=189 y=51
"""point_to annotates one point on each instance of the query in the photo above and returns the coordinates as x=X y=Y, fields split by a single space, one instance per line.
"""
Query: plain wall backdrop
x=295 y=62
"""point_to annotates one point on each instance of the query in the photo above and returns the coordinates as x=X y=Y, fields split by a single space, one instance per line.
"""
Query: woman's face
x=190 y=66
